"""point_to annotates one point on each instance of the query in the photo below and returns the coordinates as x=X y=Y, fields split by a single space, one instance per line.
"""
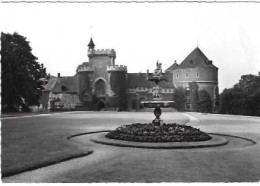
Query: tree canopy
x=21 y=73
x=243 y=98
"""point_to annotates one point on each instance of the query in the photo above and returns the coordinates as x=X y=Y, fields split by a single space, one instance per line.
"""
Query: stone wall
x=99 y=64
x=117 y=81
x=85 y=81
x=195 y=74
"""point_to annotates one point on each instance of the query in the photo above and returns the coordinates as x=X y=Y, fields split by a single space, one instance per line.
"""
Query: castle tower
x=102 y=84
x=100 y=59
x=85 y=74
x=196 y=68
x=117 y=81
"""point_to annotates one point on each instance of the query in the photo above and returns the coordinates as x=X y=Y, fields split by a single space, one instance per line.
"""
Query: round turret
x=85 y=75
x=117 y=81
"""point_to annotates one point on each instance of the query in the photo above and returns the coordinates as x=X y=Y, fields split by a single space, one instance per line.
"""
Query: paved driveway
x=239 y=161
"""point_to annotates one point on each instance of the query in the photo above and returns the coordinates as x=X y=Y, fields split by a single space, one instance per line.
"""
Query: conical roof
x=196 y=59
x=91 y=44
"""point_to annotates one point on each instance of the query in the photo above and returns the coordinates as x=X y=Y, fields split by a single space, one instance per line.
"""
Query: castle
x=100 y=84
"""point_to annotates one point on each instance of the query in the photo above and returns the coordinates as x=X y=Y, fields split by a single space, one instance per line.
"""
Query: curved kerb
x=214 y=142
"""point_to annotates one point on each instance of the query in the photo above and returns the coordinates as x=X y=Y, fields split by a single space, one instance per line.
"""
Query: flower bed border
x=148 y=132
x=216 y=140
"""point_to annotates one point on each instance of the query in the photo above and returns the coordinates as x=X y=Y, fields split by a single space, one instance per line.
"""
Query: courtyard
x=57 y=147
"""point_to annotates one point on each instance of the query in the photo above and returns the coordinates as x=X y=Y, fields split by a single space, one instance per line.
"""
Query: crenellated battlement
x=117 y=68
x=84 y=67
x=102 y=52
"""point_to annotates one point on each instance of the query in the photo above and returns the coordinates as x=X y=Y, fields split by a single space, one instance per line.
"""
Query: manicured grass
x=33 y=141
x=29 y=142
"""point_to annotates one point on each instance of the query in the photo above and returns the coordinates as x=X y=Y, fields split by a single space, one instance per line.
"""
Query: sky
x=141 y=33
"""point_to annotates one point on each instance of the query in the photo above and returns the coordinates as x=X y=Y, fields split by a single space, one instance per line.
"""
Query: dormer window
x=177 y=76
x=209 y=62
x=63 y=88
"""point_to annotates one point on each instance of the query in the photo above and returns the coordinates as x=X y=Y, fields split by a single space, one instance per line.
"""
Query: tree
x=243 y=98
x=225 y=100
x=21 y=73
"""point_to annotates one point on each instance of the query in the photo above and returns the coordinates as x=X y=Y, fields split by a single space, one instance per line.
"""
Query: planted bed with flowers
x=149 y=132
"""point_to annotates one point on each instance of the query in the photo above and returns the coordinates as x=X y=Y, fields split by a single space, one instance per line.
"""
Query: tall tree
x=20 y=73
x=243 y=98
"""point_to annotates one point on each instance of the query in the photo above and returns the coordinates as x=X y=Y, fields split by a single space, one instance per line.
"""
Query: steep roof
x=140 y=80
x=62 y=84
x=50 y=84
x=174 y=66
x=91 y=43
x=195 y=59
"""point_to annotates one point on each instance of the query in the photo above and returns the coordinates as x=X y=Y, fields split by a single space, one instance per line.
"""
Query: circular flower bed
x=149 y=132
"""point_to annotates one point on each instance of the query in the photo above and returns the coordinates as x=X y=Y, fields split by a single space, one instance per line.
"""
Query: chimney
x=58 y=75
x=147 y=73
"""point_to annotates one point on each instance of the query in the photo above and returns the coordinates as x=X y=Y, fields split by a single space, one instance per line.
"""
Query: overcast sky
x=141 y=34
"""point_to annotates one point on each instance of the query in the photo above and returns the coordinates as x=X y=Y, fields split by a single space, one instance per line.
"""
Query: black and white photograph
x=130 y=91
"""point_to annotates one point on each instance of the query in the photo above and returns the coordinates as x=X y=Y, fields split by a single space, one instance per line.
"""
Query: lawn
x=36 y=141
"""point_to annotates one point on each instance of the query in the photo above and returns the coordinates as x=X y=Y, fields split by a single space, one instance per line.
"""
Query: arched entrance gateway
x=101 y=105
x=100 y=87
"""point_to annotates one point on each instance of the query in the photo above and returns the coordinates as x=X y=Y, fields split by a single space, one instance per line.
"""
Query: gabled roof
x=63 y=84
x=140 y=80
x=195 y=59
x=50 y=84
x=174 y=66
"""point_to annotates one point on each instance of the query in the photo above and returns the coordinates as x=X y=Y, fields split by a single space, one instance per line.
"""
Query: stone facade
x=196 y=68
x=101 y=84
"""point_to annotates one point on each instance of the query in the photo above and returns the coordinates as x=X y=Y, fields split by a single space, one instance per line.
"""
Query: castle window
x=187 y=105
x=187 y=74
x=187 y=92
x=197 y=75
